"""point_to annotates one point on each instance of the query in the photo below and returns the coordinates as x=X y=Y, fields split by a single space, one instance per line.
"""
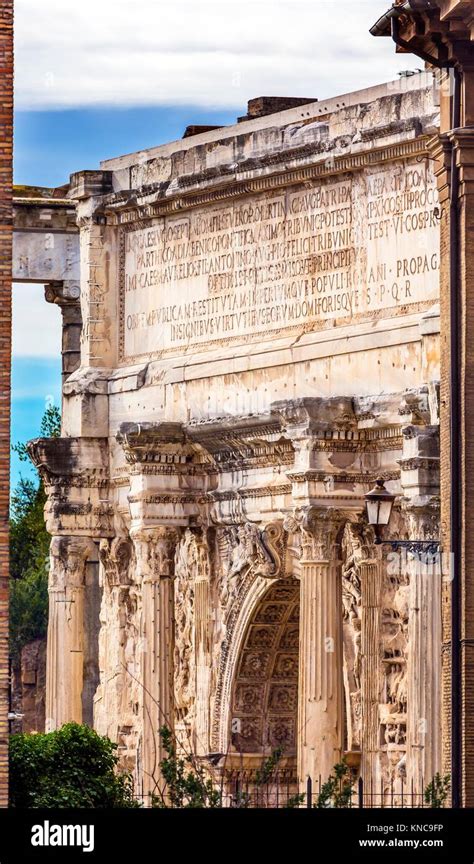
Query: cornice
x=256 y=441
x=126 y=209
x=343 y=478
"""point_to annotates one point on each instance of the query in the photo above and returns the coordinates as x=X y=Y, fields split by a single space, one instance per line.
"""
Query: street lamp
x=379 y=506
x=379 y=509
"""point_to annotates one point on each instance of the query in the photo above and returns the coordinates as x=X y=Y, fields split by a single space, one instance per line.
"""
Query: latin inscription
x=299 y=260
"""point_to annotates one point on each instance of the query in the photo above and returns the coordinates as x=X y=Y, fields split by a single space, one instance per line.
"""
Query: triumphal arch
x=251 y=325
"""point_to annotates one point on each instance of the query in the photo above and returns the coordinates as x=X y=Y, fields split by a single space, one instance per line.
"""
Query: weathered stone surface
x=259 y=343
x=29 y=688
x=45 y=236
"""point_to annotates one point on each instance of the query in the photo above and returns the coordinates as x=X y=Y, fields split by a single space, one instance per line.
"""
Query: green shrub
x=337 y=791
x=186 y=783
x=72 y=767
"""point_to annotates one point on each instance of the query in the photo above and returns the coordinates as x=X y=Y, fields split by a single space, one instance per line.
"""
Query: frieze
x=85 y=508
x=418 y=463
x=169 y=469
x=161 y=499
x=260 y=492
x=121 y=482
x=87 y=480
x=344 y=479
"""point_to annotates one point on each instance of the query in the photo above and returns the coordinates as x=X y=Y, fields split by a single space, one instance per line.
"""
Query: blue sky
x=137 y=78
x=50 y=145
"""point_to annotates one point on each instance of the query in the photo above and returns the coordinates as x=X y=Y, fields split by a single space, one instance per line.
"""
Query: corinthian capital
x=317 y=529
x=69 y=556
x=155 y=551
x=423 y=518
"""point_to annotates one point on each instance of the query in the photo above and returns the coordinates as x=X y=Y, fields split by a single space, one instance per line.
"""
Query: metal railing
x=242 y=790
x=284 y=791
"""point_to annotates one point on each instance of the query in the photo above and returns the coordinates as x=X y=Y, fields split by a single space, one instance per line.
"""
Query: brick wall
x=6 y=138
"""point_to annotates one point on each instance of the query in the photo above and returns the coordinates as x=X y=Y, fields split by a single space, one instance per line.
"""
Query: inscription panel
x=264 y=266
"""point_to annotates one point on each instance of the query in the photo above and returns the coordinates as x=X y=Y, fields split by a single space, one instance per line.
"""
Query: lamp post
x=379 y=509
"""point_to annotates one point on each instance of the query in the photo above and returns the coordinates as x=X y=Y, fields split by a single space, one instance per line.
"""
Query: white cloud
x=204 y=52
x=36 y=324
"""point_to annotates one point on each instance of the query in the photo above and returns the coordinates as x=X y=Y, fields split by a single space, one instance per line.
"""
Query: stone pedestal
x=320 y=692
x=65 y=650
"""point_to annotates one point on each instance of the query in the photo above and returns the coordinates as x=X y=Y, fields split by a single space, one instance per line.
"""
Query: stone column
x=320 y=691
x=424 y=653
x=155 y=550
x=371 y=658
x=65 y=647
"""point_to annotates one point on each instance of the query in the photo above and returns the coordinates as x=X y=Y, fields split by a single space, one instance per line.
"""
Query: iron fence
x=240 y=789
x=284 y=792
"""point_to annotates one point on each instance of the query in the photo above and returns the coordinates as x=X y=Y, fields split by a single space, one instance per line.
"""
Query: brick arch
x=264 y=700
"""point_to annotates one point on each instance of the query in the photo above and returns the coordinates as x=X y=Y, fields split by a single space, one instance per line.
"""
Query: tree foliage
x=29 y=550
x=437 y=792
x=72 y=767
x=187 y=785
x=337 y=790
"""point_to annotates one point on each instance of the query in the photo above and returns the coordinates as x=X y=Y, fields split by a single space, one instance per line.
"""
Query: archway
x=264 y=699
